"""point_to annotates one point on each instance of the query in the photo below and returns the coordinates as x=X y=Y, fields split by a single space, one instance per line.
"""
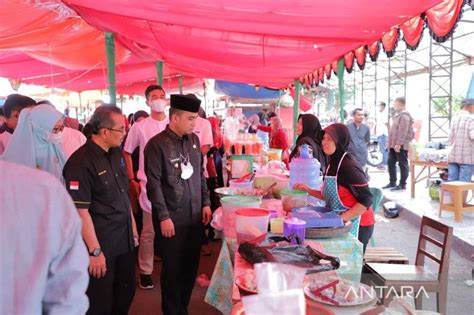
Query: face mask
x=158 y=105
x=55 y=138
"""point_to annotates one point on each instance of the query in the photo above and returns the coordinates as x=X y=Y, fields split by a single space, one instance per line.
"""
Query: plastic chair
x=377 y=194
x=393 y=277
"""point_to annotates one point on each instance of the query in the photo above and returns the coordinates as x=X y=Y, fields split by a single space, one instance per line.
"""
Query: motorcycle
x=374 y=155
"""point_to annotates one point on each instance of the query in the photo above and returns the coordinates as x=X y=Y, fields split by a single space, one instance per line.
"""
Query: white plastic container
x=229 y=206
x=251 y=224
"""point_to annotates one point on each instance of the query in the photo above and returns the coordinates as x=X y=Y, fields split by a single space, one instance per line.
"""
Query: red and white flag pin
x=73 y=185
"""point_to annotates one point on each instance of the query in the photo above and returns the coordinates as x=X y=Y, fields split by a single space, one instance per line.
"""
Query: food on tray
x=289 y=203
x=249 y=192
x=336 y=291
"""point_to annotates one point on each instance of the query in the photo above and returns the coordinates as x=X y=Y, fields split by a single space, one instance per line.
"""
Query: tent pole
x=340 y=76
x=80 y=106
x=180 y=80
x=159 y=73
x=110 y=47
x=296 y=109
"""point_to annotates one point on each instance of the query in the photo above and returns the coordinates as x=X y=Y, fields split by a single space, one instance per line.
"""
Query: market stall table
x=222 y=292
x=416 y=178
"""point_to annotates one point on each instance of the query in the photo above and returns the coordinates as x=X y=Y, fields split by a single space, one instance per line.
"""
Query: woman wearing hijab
x=36 y=140
x=278 y=136
x=309 y=132
x=345 y=188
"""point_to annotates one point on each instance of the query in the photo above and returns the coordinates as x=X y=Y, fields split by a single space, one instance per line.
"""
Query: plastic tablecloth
x=222 y=293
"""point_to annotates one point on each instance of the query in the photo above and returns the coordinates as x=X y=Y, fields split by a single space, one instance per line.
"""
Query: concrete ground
x=422 y=204
x=403 y=236
x=148 y=302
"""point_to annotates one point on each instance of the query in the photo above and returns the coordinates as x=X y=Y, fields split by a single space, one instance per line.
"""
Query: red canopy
x=267 y=42
x=49 y=44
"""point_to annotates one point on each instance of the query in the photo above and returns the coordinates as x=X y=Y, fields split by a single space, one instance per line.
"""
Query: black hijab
x=341 y=137
x=312 y=134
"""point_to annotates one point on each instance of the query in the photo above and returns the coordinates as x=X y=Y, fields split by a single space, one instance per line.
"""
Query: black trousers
x=402 y=159
x=180 y=255
x=212 y=184
x=365 y=233
x=113 y=294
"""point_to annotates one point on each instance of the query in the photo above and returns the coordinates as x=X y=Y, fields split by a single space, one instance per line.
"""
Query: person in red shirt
x=278 y=136
x=345 y=188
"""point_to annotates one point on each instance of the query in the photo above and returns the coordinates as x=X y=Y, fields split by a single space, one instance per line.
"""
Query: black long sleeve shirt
x=170 y=195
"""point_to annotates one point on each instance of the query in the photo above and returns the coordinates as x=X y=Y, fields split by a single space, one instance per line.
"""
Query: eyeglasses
x=118 y=130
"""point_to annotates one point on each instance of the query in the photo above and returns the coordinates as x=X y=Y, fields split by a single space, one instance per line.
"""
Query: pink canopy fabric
x=269 y=42
x=132 y=77
x=49 y=44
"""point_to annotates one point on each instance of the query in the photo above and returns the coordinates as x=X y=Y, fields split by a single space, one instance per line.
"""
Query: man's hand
x=397 y=148
x=97 y=267
x=135 y=186
x=206 y=215
x=167 y=228
x=135 y=233
x=134 y=191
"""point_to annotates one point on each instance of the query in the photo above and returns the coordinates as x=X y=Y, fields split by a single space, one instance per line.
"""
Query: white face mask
x=55 y=138
x=158 y=105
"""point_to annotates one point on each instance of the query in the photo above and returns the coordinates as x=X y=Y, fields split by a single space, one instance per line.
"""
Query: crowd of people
x=148 y=181
x=152 y=172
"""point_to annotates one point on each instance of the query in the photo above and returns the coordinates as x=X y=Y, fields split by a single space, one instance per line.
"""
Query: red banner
x=442 y=18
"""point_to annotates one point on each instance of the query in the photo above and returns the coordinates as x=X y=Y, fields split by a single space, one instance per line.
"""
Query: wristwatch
x=95 y=252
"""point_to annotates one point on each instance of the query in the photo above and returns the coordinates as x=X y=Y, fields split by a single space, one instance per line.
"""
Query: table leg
x=412 y=181
x=458 y=205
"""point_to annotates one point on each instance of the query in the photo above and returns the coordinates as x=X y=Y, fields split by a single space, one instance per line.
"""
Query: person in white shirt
x=138 y=136
x=71 y=140
x=44 y=260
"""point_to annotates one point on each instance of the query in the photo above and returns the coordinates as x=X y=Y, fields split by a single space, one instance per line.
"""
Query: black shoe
x=389 y=186
x=146 y=283
x=398 y=187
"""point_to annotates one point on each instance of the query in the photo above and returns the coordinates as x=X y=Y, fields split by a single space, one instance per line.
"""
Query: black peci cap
x=185 y=102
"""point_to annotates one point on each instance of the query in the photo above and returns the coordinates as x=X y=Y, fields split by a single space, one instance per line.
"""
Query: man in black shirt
x=97 y=180
x=180 y=202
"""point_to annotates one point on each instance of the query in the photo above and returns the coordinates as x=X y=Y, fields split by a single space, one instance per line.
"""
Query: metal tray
x=328 y=232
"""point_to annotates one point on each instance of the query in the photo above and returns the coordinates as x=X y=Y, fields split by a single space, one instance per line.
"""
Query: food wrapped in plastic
x=296 y=255
x=279 y=290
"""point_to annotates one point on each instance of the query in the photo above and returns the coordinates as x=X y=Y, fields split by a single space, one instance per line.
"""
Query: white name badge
x=186 y=170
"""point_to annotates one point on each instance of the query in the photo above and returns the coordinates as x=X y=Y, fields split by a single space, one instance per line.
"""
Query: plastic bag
x=299 y=255
x=279 y=290
x=390 y=210
x=216 y=222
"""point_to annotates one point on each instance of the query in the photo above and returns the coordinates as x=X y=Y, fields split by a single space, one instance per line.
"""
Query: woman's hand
x=301 y=186
x=313 y=192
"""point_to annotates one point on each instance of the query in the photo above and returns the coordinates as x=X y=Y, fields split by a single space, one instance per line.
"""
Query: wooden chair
x=458 y=195
x=387 y=255
x=418 y=277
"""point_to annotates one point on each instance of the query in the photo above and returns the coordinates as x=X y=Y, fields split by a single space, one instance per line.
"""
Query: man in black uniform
x=179 y=199
x=96 y=178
